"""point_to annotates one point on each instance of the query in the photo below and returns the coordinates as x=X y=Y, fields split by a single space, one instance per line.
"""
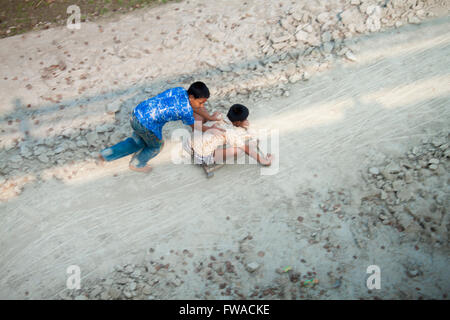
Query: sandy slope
x=331 y=128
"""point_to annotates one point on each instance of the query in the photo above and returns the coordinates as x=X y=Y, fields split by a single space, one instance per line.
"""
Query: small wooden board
x=209 y=169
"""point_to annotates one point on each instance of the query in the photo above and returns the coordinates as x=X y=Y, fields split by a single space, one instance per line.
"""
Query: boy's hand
x=216 y=116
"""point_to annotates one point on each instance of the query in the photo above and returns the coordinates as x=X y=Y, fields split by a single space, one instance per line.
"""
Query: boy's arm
x=213 y=128
x=205 y=114
x=202 y=112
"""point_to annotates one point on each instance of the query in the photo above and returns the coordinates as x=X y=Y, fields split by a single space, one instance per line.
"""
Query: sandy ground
x=331 y=129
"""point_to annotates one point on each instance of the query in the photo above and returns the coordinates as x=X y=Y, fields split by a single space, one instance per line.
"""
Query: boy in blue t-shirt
x=149 y=117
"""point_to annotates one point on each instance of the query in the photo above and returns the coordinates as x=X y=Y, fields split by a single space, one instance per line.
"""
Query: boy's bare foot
x=267 y=160
x=145 y=169
x=100 y=160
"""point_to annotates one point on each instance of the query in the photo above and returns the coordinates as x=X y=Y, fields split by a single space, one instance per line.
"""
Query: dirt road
x=332 y=128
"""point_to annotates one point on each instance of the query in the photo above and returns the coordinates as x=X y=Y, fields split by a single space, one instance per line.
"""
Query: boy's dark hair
x=237 y=112
x=198 y=90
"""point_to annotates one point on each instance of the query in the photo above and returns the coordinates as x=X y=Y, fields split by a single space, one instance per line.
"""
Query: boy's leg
x=225 y=155
x=123 y=148
x=153 y=147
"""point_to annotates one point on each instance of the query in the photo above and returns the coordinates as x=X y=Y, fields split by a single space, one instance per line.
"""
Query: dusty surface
x=184 y=236
x=20 y=16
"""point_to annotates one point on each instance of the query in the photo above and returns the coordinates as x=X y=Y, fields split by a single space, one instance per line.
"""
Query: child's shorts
x=198 y=159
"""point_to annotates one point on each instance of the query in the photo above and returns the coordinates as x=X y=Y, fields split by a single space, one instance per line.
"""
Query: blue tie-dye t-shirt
x=170 y=105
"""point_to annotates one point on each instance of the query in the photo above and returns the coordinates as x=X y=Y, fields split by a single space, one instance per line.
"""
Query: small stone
x=147 y=290
x=136 y=273
x=25 y=151
x=252 y=267
x=301 y=36
x=397 y=185
x=374 y=171
x=60 y=149
x=308 y=28
x=423 y=164
x=295 y=78
x=323 y=17
x=404 y=219
x=306 y=76
x=43 y=158
x=328 y=47
x=122 y=281
x=326 y=36
x=438 y=141
x=350 y=56
x=373 y=23
x=175 y=281
x=408 y=177
x=414 y=20
x=420 y=13
x=279 y=46
x=282 y=38
x=373 y=10
x=16 y=159
x=393 y=168
x=447 y=153
x=81 y=297
x=416 y=151
x=433 y=161
x=96 y=291
x=82 y=143
x=297 y=16
x=342 y=51
x=291 y=69
x=433 y=167
x=104 y=128
x=412 y=273
x=405 y=195
x=104 y=296
x=92 y=138
x=113 y=107
x=353 y=19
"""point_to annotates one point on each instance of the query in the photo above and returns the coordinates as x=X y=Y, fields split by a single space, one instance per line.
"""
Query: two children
x=149 y=117
x=213 y=148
